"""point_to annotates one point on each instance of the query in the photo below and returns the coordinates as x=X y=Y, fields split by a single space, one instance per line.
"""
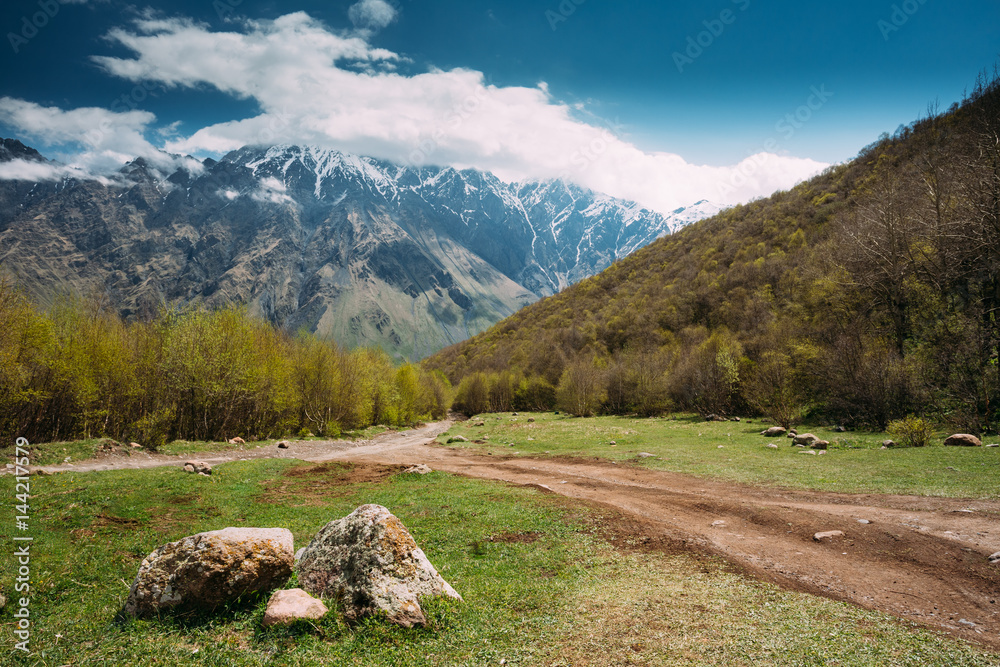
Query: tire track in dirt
x=922 y=559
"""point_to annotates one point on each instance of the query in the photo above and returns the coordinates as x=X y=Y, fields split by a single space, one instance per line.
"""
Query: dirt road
x=923 y=559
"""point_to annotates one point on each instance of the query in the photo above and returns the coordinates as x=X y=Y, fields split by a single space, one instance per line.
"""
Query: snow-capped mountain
x=367 y=251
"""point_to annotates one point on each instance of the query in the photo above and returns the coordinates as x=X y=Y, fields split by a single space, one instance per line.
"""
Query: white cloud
x=108 y=139
x=271 y=190
x=372 y=14
x=334 y=89
x=36 y=172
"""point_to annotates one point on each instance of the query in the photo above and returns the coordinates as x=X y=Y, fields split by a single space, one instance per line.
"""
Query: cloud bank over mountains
x=318 y=86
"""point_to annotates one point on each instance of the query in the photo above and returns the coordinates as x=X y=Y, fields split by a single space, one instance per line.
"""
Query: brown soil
x=922 y=559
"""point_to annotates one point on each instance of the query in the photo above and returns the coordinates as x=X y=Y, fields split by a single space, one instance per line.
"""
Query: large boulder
x=963 y=440
x=370 y=562
x=286 y=607
x=204 y=571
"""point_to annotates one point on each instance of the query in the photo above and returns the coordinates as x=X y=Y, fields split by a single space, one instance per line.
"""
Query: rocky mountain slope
x=369 y=252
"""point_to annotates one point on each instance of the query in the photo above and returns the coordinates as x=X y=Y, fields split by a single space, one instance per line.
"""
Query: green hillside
x=864 y=295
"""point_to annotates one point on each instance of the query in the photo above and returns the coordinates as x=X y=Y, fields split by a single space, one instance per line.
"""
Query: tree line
x=865 y=295
x=78 y=370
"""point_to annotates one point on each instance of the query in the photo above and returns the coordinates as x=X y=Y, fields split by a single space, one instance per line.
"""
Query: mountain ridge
x=366 y=251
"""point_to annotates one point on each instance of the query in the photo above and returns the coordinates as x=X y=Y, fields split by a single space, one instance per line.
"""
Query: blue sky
x=662 y=102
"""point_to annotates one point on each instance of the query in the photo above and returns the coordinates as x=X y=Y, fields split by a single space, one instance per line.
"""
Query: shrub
x=911 y=431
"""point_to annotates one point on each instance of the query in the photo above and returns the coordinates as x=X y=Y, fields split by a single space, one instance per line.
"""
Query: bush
x=911 y=431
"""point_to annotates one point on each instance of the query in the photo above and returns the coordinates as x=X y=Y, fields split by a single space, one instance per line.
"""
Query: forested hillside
x=80 y=370
x=867 y=294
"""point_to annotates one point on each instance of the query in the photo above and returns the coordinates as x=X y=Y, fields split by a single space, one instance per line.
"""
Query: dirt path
x=922 y=559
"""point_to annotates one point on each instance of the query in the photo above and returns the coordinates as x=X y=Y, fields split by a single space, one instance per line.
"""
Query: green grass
x=569 y=598
x=737 y=452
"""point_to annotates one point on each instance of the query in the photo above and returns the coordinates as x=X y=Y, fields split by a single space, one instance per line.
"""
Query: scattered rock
x=237 y=441
x=995 y=558
x=806 y=439
x=370 y=562
x=284 y=444
x=645 y=455
x=203 y=571
x=808 y=451
x=822 y=452
x=286 y=607
x=774 y=432
x=480 y=424
x=513 y=414
x=830 y=534
x=714 y=418
x=419 y=470
x=963 y=440
x=736 y=419
x=135 y=445
x=613 y=443
x=864 y=521
x=718 y=523
x=888 y=444
x=531 y=420
x=992 y=446
x=821 y=444
x=457 y=438
x=772 y=446
x=839 y=429
x=198 y=467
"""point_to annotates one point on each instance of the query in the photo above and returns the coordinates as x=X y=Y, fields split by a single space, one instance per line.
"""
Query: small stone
x=807 y=439
x=830 y=534
x=888 y=444
x=995 y=558
x=821 y=444
x=992 y=446
x=284 y=444
x=480 y=424
x=613 y=443
x=864 y=521
x=772 y=446
x=457 y=438
x=135 y=445
x=418 y=470
x=237 y=441
x=808 y=451
x=963 y=440
x=531 y=420
x=774 y=432
x=286 y=607
x=645 y=455
x=198 y=467
x=718 y=523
